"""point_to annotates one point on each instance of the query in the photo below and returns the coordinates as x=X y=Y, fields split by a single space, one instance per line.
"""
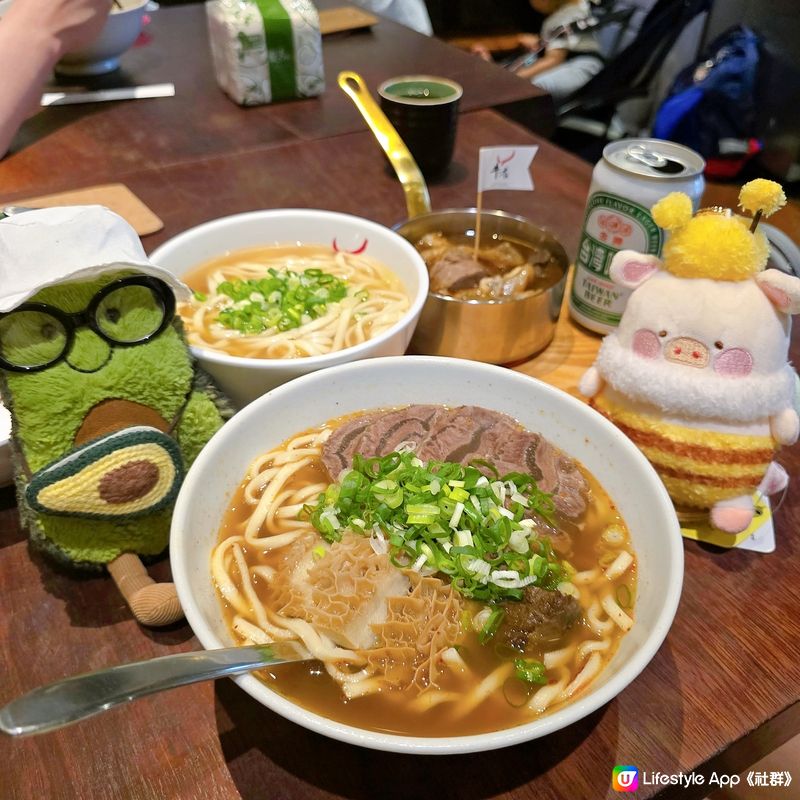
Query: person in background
x=411 y=13
x=34 y=34
x=565 y=57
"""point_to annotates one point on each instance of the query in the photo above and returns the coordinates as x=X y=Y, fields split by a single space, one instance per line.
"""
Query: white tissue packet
x=266 y=50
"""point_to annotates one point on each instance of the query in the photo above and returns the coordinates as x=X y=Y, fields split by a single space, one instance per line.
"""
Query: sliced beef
x=458 y=433
x=540 y=617
x=462 y=434
x=512 y=449
x=386 y=432
x=338 y=451
x=554 y=472
x=505 y=445
x=455 y=271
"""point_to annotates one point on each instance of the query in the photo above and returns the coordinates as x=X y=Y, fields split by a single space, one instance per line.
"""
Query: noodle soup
x=363 y=539
x=290 y=302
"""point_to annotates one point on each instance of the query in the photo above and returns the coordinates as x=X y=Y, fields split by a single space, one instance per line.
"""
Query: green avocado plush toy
x=108 y=407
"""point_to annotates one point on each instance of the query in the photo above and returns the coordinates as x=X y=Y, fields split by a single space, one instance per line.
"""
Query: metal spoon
x=9 y=211
x=71 y=700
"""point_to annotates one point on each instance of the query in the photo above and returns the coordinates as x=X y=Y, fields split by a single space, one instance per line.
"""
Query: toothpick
x=756 y=220
x=478 y=214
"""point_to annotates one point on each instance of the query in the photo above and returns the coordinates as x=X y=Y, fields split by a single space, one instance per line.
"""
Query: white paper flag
x=505 y=168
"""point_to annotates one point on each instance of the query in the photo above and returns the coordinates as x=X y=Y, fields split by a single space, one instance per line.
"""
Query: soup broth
x=290 y=301
x=504 y=267
x=474 y=685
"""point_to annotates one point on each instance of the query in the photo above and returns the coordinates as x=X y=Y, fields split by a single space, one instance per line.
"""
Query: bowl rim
x=489 y=212
x=326 y=359
x=550 y=723
x=138 y=6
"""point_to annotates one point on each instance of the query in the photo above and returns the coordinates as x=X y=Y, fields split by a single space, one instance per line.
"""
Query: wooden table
x=723 y=689
x=74 y=143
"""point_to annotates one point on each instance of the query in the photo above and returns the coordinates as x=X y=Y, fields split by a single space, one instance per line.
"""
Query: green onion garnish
x=446 y=518
x=491 y=625
x=530 y=671
x=280 y=300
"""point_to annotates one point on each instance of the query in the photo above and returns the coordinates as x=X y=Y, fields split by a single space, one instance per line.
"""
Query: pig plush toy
x=697 y=374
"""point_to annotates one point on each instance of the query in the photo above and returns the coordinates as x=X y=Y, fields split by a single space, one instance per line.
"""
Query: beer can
x=632 y=176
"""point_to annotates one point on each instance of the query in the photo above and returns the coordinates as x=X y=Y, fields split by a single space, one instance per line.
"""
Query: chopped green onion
x=530 y=671
x=280 y=300
x=200 y=297
x=448 y=518
x=491 y=625
x=517 y=692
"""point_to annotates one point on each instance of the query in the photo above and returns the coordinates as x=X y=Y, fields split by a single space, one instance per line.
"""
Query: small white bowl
x=570 y=424
x=244 y=379
x=121 y=30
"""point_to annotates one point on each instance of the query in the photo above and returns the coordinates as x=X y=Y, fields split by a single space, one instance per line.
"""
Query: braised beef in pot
x=502 y=268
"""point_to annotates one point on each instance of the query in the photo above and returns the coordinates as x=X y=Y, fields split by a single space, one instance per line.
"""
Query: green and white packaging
x=266 y=50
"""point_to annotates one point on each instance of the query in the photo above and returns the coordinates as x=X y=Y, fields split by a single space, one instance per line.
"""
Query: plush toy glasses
x=125 y=313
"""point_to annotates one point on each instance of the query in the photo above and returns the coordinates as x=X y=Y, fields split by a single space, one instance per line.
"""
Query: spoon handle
x=64 y=702
x=416 y=191
x=10 y=211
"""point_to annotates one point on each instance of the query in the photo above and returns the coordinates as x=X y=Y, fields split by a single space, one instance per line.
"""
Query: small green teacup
x=424 y=110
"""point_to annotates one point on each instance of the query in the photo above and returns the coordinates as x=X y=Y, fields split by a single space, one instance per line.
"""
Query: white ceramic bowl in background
x=570 y=424
x=121 y=30
x=244 y=379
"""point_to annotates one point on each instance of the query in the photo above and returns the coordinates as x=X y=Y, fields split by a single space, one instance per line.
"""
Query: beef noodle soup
x=451 y=572
x=290 y=301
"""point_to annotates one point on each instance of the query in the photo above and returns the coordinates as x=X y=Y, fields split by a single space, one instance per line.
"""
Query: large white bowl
x=571 y=425
x=244 y=379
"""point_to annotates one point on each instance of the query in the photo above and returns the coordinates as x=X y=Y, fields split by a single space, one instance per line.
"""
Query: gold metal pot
x=494 y=331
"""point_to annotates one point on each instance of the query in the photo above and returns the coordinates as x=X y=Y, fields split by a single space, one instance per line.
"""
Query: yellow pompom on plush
x=672 y=211
x=716 y=246
x=762 y=195
x=715 y=243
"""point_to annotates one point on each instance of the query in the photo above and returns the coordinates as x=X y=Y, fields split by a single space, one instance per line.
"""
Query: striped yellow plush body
x=698 y=466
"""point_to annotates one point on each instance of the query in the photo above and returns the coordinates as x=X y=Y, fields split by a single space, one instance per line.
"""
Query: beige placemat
x=116 y=196
x=345 y=18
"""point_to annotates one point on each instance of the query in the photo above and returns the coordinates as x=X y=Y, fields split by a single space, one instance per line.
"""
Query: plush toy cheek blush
x=635 y=271
x=735 y=362
x=646 y=344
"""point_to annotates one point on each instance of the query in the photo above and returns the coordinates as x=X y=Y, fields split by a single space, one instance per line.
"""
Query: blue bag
x=712 y=104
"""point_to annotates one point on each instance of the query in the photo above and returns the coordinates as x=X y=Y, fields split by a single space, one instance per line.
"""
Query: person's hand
x=481 y=51
x=530 y=41
x=67 y=25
